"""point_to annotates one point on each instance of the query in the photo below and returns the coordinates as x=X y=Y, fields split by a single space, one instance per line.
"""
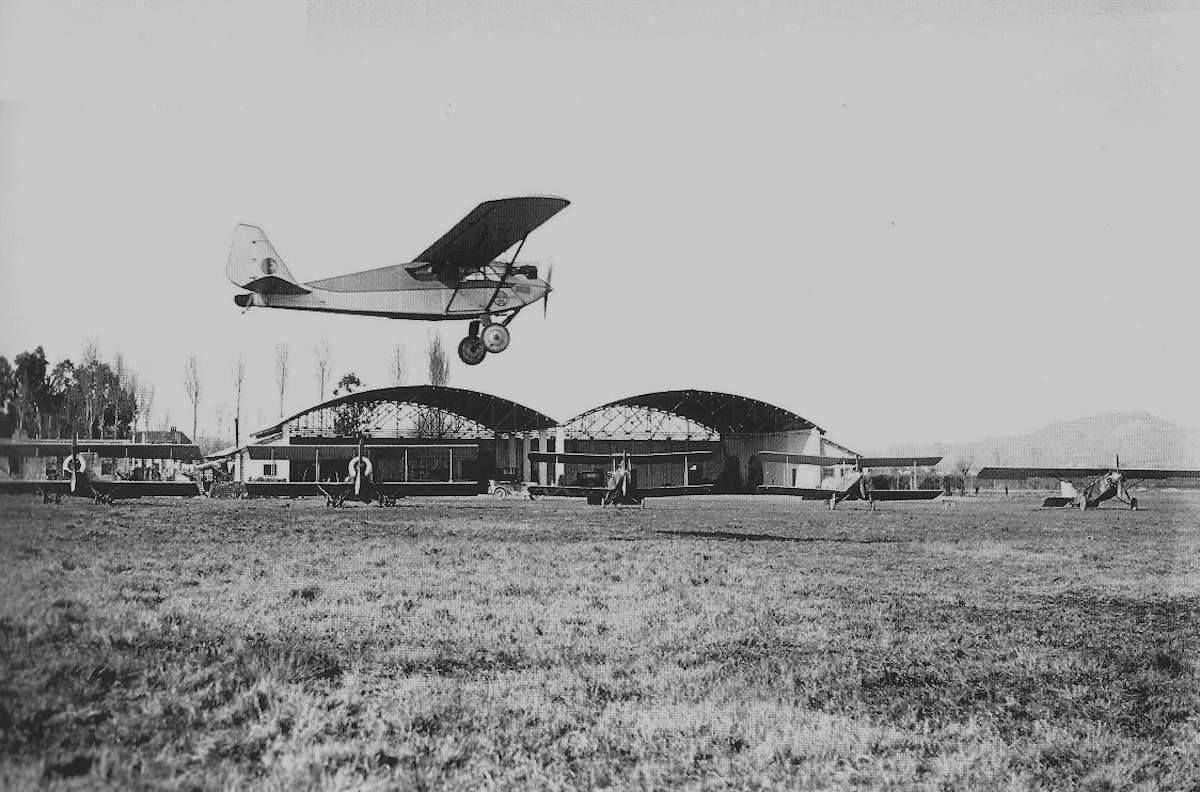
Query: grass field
x=709 y=643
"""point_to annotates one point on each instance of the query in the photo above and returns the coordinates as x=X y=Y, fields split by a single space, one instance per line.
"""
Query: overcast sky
x=905 y=221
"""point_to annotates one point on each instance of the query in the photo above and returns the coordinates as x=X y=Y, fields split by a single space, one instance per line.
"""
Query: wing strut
x=508 y=268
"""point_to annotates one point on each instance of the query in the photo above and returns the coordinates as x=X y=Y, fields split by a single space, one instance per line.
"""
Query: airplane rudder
x=253 y=257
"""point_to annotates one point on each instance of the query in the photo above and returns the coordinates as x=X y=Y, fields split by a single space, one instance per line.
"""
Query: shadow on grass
x=738 y=536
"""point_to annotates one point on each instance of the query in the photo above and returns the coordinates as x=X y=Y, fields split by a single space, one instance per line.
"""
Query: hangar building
x=732 y=427
x=440 y=439
x=451 y=440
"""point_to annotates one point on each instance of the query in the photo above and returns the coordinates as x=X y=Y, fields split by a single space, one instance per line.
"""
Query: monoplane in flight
x=619 y=485
x=854 y=485
x=457 y=277
x=1087 y=488
x=80 y=480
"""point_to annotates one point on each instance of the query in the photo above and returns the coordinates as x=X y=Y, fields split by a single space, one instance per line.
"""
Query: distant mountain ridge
x=1142 y=440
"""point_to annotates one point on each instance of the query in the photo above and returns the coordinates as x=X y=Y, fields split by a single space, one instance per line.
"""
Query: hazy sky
x=906 y=221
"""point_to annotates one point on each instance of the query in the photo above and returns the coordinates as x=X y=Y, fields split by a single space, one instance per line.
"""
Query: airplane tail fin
x=255 y=265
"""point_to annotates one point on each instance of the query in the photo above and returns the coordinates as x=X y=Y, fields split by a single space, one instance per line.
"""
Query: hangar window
x=269 y=469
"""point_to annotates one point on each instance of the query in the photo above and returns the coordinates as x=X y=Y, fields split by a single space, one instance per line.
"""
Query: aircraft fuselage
x=1105 y=488
x=396 y=293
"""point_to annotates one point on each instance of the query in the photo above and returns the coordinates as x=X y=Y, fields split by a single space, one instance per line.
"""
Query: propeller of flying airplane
x=549 y=288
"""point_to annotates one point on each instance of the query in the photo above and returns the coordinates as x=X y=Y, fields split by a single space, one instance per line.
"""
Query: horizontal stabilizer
x=255 y=265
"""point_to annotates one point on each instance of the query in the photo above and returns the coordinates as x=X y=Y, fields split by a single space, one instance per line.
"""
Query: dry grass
x=745 y=643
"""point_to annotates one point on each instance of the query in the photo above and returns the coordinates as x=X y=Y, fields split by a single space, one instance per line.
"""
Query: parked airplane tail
x=254 y=264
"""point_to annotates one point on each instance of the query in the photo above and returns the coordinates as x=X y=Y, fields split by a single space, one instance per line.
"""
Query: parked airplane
x=81 y=481
x=620 y=485
x=359 y=485
x=458 y=277
x=1087 y=488
x=855 y=486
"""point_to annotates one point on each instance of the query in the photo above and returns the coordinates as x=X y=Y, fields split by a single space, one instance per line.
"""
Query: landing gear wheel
x=500 y=493
x=1133 y=503
x=495 y=338
x=471 y=351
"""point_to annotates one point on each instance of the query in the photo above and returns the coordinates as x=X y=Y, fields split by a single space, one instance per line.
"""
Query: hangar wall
x=740 y=452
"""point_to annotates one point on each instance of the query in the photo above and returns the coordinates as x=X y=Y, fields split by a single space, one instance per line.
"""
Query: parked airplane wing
x=998 y=473
x=806 y=493
x=287 y=489
x=489 y=230
x=641 y=459
x=116 y=489
x=674 y=491
x=345 y=452
x=829 y=461
x=145 y=489
x=1161 y=474
x=563 y=491
x=904 y=495
x=32 y=487
x=899 y=461
x=110 y=449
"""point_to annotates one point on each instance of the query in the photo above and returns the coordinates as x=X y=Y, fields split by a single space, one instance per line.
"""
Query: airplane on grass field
x=856 y=486
x=80 y=480
x=458 y=277
x=1087 y=488
x=359 y=485
x=620 y=485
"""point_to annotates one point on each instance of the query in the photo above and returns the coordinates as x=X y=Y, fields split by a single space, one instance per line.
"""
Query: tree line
x=98 y=399
x=91 y=399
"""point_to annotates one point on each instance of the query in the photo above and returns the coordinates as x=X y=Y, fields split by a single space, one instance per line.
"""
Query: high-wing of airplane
x=1087 y=488
x=359 y=484
x=620 y=485
x=457 y=277
x=80 y=480
x=855 y=485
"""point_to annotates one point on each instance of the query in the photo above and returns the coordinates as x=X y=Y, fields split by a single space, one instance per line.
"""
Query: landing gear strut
x=471 y=350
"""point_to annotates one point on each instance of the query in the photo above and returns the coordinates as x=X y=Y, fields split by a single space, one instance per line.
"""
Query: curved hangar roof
x=416 y=410
x=695 y=414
